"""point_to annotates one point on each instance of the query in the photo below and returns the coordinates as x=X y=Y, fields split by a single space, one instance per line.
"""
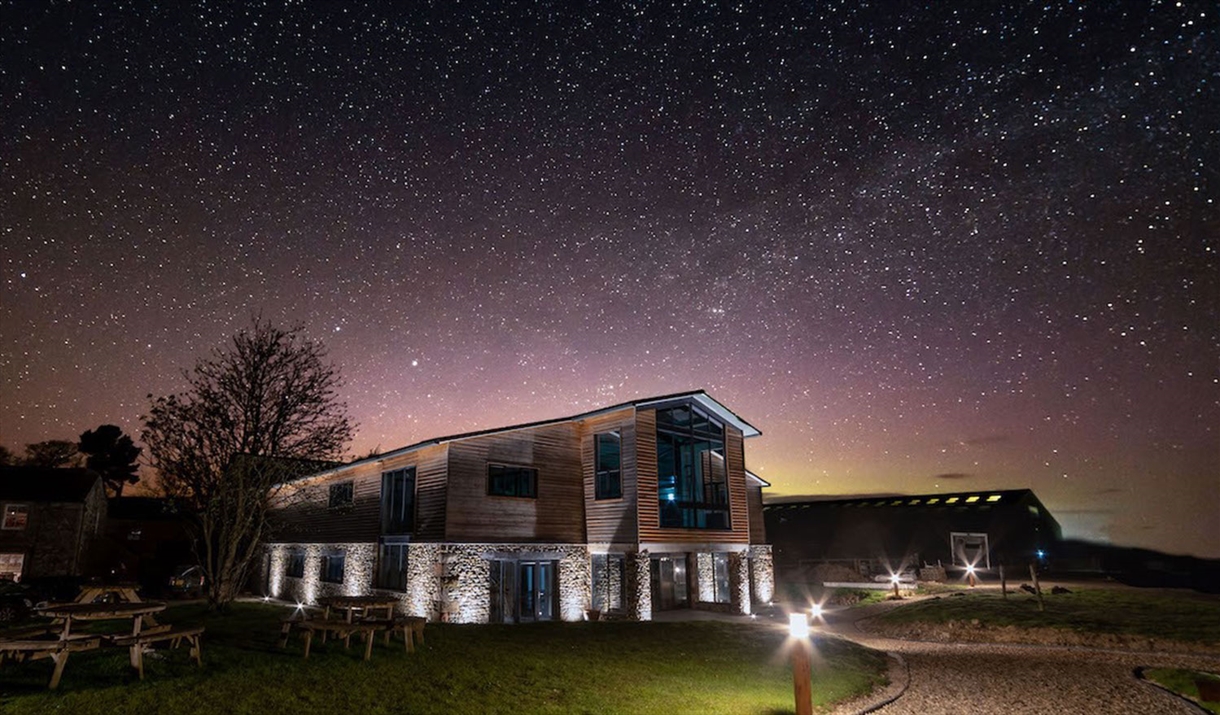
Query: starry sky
x=923 y=247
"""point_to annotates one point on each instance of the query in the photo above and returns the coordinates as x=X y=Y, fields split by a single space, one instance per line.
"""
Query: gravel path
x=1014 y=679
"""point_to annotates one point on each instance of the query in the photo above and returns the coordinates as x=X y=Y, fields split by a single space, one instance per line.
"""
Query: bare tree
x=111 y=454
x=258 y=412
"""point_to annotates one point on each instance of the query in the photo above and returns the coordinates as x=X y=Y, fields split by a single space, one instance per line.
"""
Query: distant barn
x=876 y=534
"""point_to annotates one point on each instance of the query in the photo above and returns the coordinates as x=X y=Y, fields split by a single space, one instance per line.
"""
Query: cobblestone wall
x=360 y=563
x=639 y=586
x=705 y=577
x=739 y=582
x=763 y=568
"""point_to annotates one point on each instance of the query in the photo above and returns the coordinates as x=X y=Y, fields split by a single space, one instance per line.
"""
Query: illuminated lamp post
x=970 y=575
x=802 y=688
x=894 y=578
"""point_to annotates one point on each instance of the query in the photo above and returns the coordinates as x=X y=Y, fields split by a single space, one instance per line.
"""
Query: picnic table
x=363 y=615
x=59 y=640
x=113 y=592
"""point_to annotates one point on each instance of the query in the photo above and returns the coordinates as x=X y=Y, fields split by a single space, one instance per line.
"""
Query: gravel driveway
x=1014 y=679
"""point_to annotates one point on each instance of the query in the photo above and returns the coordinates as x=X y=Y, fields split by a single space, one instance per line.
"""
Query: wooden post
x=1033 y=573
x=1003 y=583
x=802 y=685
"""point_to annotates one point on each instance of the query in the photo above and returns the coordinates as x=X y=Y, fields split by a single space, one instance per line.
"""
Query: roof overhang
x=708 y=403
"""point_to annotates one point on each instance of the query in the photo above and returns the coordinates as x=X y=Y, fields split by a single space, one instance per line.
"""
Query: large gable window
x=608 y=454
x=692 y=478
x=508 y=481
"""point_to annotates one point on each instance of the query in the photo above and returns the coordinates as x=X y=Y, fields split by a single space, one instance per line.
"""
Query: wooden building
x=50 y=523
x=625 y=510
x=881 y=534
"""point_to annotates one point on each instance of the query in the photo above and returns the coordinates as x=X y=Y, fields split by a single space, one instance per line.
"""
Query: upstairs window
x=398 y=501
x=341 y=495
x=608 y=467
x=508 y=481
x=16 y=516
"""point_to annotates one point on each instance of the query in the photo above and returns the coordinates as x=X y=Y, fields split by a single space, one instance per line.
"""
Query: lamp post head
x=798 y=625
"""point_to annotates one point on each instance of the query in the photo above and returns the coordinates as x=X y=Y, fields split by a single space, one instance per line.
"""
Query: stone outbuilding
x=51 y=522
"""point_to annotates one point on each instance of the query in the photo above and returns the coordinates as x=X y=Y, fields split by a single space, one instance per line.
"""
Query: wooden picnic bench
x=409 y=627
x=58 y=640
x=341 y=629
x=367 y=624
x=175 y=637
x=57 y=649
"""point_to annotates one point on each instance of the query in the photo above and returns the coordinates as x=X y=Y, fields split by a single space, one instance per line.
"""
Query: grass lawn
x=1181 y=616
x=616 y=667
x=1185 y=682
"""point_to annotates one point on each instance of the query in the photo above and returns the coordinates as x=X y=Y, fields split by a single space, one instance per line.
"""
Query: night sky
x=944 y=247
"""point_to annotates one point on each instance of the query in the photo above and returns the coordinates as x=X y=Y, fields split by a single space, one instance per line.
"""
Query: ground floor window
x=392 y=567
x=720 y=577
x=608 y=582
x=332 y=567
x=296 y=564
x=10 y=566
x=523 y=590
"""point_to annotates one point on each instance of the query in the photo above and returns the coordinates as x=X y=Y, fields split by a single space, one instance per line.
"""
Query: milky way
x=923 y=248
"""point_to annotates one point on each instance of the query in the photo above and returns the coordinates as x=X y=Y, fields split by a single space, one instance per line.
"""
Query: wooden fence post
x=1033 y=573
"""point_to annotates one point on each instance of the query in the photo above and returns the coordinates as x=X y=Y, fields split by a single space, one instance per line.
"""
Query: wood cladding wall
x=556 y=515
x=301 y=512
x=758 y=532
x=610 y=520
x=649 y=515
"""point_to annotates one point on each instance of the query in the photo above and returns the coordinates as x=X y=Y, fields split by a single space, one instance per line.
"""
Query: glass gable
x=692 y=478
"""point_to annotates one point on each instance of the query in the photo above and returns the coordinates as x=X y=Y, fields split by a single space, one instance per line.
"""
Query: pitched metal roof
x=978 y=498
x=699 y=397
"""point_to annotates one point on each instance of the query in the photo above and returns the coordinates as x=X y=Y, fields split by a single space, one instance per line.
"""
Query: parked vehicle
x=187 y=582
x=16 y=601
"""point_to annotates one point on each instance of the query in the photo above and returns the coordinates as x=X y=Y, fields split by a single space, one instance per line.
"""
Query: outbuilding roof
x=46 y=484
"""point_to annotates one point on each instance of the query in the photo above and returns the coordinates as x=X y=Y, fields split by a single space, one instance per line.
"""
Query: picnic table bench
x=57 y=649
x=369 y=622
x=57 y=640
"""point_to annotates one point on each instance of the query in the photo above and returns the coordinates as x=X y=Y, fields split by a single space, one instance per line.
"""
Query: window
x=608 y=582
x=296 y=564
x=608 y=465
x=720 y=577
x=15 y=516
x=506 y=481
x=392 y=567
x=10 y=566
x=332 y=567
x=398 y=501
x=692 y=478
x=340 y=495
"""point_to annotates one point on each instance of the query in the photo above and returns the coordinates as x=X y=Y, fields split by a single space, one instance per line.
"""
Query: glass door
x=668 y=582
x=535 y=591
